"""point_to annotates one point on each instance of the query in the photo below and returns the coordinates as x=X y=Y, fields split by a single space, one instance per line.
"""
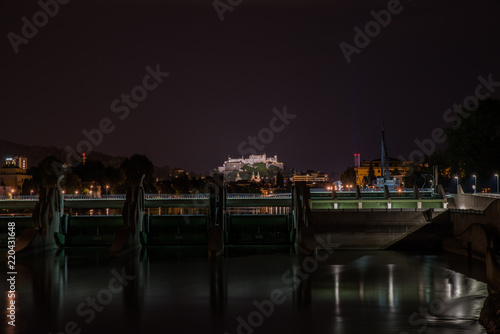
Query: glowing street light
x=456 y=178
x=497 y=182
x=475 y=185
x=107 y=187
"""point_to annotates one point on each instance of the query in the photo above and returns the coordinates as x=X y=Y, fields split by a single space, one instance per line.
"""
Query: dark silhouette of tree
x=280 y=182
x=115 y=179
x=348 y=177
x=71 y=183
x=181 y=184
x=371 y=173
x=92 y=171
x=138 y=165
x=29 y=185
x=474 y=140
x=419 y=172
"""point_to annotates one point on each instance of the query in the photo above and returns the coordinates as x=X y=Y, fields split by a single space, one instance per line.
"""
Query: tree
x=115 y=178
x=28 y=186
x=72 y=183
x=280 y=182
x=420 y=172
x=474 y=140
x=348 y=177
x=138 y=165
x=181 y=184
x=93 y=170
x=371 y=173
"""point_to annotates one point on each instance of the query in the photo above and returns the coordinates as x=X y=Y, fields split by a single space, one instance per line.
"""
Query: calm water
x=250 y=290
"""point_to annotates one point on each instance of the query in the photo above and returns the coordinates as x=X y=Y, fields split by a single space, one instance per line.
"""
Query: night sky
x=226 y=77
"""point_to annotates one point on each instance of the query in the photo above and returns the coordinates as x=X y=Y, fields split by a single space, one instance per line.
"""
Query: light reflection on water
x=178 y=290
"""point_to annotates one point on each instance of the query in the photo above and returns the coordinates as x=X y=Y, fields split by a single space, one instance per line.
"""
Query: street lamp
x=107 y=187
x=497 y=182
x=475 y=185
x=456 y=178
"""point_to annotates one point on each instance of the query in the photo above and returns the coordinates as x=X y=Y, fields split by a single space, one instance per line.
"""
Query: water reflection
x=178 y=290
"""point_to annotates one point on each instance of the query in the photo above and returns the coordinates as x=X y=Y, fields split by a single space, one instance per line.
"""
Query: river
x=249 y=290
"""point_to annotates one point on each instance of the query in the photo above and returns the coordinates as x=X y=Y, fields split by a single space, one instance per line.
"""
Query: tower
x=357 y=160
x=384 y=159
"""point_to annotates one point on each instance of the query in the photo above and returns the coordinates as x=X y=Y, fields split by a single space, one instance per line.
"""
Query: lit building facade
x=19 y=162
x=311 y=177
x=397 y=169
x=237 y=164
x=13 y=177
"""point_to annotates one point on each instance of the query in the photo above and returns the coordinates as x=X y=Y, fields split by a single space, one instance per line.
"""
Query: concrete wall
x=470 y=201
x=429 y=237
x=471 y=242
x=366 y=229
x=489 y=216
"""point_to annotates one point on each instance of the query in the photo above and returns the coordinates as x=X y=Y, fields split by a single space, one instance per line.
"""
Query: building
x=357 y=160
x=7 y=191
x=241 y=169
x=13 y=174
x=311 y=177
x=397 y=169
x=19 y=162
x=238 y=163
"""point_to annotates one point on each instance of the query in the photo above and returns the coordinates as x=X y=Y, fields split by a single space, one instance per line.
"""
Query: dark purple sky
x=226 y=77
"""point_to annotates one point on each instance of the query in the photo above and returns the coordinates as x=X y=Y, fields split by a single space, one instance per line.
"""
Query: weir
x=355 y=220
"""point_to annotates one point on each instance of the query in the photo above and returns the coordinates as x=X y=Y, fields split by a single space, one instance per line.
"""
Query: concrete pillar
x=360 y=205
x=389 y=205
x=335 y=205
x=419 y=205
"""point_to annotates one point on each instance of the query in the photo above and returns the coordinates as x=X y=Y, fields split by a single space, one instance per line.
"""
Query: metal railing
x=87 y=197
x=315 y=195
x=19 y=198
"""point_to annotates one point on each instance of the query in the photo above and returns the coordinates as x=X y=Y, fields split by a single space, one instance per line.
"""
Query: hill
x=36 y=154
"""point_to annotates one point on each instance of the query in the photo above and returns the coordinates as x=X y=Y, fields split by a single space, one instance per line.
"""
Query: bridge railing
x=19 y=198
x=253 y=196
x=86 y=197
x=175 y=196
x=93 y=197
x=206 y=196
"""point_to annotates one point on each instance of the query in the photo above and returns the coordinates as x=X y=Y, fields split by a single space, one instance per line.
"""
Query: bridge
x=321 y=199
x=387 y=216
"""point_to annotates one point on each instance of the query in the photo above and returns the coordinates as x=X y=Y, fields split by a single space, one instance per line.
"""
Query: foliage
x=138 y=165
x=348 y=177
x=474 y=145
x=371 y=173
x=280 y=183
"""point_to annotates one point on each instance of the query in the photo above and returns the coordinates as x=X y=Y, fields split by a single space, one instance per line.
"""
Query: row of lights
x=475 y=184
x=76 y=192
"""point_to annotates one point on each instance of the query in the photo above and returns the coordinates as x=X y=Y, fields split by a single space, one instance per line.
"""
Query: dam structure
x=306 y=220
x=354 y=219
